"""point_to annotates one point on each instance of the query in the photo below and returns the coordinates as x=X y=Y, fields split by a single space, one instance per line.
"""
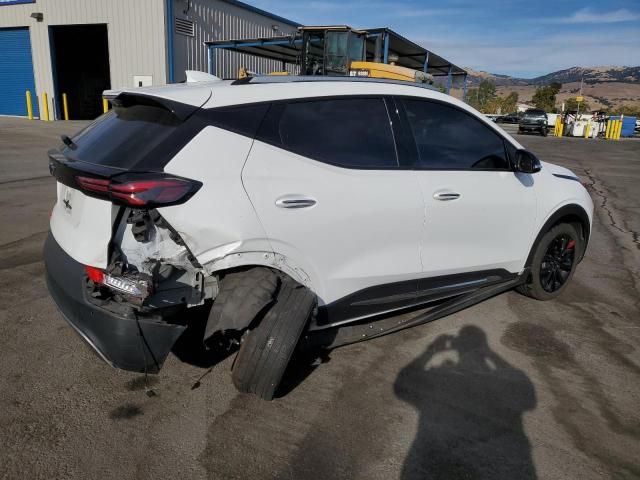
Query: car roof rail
x=266 y=79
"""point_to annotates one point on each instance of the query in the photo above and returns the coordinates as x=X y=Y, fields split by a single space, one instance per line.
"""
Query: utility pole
x=579 y=99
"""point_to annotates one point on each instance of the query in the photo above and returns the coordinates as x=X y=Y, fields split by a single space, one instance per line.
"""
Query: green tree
x=545 y=97
x=629 y=110
x=481 y=98
x=572 y=104
x=509 y=103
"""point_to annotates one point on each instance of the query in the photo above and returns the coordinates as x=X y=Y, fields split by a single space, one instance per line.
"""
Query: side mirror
x=526 y=162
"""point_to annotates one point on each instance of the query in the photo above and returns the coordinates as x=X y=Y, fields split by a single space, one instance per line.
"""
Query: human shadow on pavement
x=470 y=403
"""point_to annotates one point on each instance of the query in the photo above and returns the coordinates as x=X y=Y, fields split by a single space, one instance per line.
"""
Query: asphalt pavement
x=511 y=388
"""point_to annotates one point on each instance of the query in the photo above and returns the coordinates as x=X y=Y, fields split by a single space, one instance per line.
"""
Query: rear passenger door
x=324 y=177
x=480 y=214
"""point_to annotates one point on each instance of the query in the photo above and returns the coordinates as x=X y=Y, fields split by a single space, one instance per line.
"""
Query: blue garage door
x=16 y=72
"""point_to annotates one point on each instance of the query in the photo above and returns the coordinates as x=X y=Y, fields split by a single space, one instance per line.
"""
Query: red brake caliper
x=571 y=244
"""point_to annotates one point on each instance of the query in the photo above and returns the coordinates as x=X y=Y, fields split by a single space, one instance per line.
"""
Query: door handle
x=295 y=201
x=444 y=196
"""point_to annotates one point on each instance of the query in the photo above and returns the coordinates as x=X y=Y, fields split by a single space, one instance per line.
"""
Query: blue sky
x=519 y=38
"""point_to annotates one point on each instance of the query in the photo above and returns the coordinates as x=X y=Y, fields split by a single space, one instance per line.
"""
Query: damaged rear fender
x=271 y=260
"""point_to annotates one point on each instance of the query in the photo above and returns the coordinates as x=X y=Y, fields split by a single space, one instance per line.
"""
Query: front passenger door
x=480 y=214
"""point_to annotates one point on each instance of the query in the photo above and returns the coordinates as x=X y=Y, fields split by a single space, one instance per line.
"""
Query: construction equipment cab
x=342 y=50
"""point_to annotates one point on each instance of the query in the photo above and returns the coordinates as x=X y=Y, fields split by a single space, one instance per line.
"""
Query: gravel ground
x=508 y=389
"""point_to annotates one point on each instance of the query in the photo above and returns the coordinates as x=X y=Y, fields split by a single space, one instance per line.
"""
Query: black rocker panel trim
x=381 y=299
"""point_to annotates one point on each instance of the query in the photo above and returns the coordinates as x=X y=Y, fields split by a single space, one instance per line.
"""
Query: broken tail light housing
x=94 y=274
x=140 y=190
x=133 y=287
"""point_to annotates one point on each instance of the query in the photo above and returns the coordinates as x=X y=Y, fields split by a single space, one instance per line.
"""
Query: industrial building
x=82 y=47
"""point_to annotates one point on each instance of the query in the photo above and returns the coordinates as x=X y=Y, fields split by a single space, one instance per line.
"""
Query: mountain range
x=603 y=87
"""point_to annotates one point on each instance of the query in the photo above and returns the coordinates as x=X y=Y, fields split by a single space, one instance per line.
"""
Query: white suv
x=292 y=207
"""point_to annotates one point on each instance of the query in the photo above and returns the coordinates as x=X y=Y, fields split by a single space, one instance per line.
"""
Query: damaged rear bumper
x=124 y=342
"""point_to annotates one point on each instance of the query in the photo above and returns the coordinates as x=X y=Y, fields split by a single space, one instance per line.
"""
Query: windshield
x=336 y=52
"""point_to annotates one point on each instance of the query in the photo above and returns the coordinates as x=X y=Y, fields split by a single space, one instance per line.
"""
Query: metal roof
x=289 y=48
x=413 y=55
x=259 y=11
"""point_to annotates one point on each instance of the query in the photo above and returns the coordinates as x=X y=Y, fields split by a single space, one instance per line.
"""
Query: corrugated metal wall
x=136 y=35
x=219 y=20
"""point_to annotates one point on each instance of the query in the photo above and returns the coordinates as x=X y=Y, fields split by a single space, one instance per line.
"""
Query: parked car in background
x=509 y=118
x=533 y=120
x=296 y=209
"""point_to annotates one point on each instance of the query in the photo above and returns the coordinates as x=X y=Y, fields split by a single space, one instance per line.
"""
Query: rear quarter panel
x=219 y=219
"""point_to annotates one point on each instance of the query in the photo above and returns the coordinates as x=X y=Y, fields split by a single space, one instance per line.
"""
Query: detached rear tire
x=554 y=263
x=266 y=350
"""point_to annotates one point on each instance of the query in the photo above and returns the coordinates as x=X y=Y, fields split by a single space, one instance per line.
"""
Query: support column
x=211 y=60
x=449 y=80
x=464 y=88
x=386 y=48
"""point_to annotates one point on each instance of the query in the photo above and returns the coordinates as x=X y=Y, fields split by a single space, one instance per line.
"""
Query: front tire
x=266 y=350
x=554 y=263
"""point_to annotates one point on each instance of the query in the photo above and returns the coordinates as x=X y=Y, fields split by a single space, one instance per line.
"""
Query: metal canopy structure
x=412 y=55
x=288 y=50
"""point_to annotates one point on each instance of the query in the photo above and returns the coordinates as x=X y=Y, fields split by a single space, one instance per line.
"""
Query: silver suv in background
x=533 y=120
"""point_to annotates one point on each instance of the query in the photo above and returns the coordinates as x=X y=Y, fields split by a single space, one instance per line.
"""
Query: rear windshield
x=124 y=136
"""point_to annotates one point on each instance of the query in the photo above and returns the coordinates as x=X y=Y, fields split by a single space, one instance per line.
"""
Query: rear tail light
x=141 y=190
x=95 y=274
x=130 y=285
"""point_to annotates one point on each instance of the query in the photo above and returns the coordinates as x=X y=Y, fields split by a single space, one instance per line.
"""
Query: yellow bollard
x=587 y=129
x=618 y=129
x=105 y=105
x=607 y=131
x=65 y=107
x=561 y=132
x=45 y=107
x=29 y=105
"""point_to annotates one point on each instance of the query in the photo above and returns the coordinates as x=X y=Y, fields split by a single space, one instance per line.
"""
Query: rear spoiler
x=182 y=111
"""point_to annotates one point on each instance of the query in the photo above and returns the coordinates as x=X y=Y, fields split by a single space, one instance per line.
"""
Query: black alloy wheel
x=554 y=261
x=557 y=262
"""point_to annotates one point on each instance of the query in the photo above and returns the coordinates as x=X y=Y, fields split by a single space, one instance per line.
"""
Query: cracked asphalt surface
x=508 y=389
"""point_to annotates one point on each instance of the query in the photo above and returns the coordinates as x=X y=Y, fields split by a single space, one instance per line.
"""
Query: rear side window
x=350 y=132
x=124 y=136
x=450 y=139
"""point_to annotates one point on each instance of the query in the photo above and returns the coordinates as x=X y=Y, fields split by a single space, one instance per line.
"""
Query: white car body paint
x=219 y=220
x=82 y=225
x=363 y=230
x=489 y=226
x=368 y=227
